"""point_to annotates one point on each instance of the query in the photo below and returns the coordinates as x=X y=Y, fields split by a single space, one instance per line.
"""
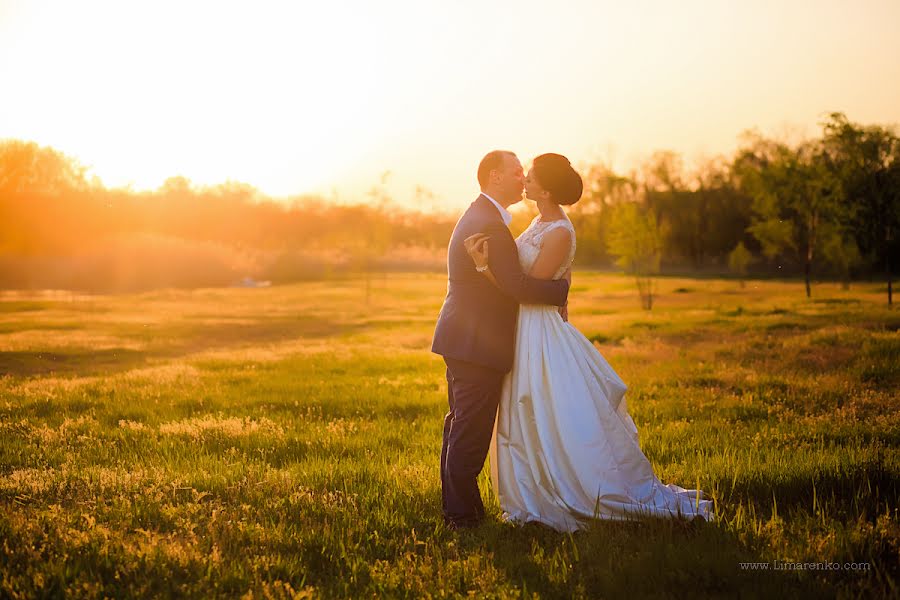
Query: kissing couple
x=523 y=384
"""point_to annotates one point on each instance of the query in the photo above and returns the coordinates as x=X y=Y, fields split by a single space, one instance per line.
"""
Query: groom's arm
x=503 y=260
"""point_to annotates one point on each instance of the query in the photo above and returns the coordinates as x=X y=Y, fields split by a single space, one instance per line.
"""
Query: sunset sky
x=325 y=97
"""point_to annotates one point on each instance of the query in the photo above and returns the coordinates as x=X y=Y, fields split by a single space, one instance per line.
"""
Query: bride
x=564 y=449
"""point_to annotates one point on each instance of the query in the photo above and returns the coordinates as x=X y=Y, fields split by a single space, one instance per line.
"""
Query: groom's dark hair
x=492 y=160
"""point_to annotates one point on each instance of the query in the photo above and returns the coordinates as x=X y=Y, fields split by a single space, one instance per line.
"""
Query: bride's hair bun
x=555 y=174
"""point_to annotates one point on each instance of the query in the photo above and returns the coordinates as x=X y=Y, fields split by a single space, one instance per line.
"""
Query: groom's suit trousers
x=476 y=334
x=473 y=393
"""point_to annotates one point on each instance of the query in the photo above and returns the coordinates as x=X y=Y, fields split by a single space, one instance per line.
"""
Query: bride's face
x=533 y=189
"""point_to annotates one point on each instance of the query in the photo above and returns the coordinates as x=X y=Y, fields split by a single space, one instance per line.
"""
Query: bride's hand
x=477 y=247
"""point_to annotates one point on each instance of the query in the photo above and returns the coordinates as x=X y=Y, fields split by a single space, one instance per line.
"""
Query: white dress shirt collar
x=504 y=214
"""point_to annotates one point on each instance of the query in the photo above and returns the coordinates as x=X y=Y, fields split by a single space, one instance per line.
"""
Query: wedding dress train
x=565 y=450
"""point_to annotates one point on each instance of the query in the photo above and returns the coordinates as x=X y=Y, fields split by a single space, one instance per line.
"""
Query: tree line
x=827 y=207
x=823 y=207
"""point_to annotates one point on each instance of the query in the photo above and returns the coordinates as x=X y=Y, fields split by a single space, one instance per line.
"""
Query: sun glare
x=200 y=90
x=305 y=97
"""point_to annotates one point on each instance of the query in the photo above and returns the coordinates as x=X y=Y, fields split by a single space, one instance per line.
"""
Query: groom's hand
x=564 y=309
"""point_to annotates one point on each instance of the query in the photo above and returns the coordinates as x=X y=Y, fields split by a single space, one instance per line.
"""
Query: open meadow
x=284 y=442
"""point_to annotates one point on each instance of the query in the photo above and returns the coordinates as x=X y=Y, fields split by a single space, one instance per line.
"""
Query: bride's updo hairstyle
x=555 y=174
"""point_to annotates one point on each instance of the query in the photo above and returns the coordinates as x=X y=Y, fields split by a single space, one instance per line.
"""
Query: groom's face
x=512 y=179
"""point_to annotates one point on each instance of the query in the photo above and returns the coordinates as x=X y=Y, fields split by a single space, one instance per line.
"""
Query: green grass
x=284 y=442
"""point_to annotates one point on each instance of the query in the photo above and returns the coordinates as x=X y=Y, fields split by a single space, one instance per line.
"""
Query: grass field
x=284 y=442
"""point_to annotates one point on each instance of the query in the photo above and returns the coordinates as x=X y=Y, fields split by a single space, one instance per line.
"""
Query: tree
x=840 y=251
x=738 y=260
x=703 y=214
x=28 y=167
x=794 y=194
x=675 y=205
x=46 y=204
x=867 y=161
x=604 y=189
x=635 y=238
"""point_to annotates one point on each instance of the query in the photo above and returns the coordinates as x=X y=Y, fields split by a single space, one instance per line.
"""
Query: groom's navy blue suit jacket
x=477 y=323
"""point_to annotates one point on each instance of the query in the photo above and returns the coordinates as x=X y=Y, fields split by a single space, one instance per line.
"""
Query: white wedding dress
x=565 y=450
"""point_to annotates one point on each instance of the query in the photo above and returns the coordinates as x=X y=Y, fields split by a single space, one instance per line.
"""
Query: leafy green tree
x=702 y=213
x=841 y=252
x=636 y=240
x=604 y=189
x=738 y=261
x=867 y=162
x=794 y=194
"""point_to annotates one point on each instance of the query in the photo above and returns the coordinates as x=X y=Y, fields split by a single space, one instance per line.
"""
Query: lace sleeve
x=565 y=224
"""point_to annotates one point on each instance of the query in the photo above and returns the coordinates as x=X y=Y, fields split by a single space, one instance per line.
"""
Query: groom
x=476 y=332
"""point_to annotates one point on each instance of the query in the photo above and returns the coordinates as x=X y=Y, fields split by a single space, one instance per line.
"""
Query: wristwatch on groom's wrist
x=482 y=269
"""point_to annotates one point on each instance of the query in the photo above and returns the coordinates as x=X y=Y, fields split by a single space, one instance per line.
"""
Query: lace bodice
x=531 y=240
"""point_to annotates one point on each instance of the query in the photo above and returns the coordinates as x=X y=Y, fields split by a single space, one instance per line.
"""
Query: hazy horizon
x=326 y=100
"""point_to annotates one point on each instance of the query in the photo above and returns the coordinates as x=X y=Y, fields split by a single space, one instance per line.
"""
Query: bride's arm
x=554 y=251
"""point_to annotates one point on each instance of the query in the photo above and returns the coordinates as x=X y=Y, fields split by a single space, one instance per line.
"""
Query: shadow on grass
x=19 y=326
x=185 y=338
x=12 y=306
x=862 y=489
x=80 y=361
x=676 y=558
x=165 y=343
x=652 y=558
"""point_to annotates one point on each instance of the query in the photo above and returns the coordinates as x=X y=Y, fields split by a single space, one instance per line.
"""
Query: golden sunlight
x=298 y=98
x=142 y=93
